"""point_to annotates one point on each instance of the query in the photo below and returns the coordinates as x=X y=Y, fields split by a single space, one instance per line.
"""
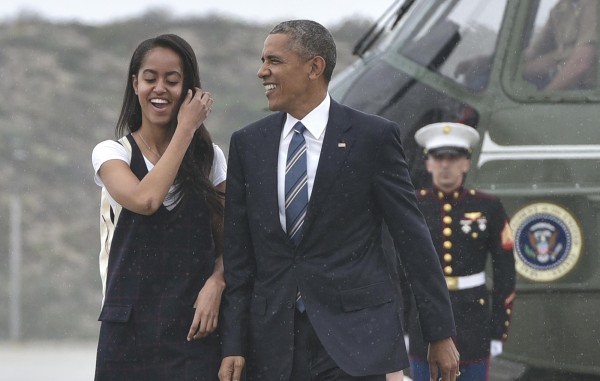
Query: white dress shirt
x=315 y=123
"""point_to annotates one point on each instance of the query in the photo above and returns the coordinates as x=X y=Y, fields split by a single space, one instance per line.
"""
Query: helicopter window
x=561 y=53
x=458 y=41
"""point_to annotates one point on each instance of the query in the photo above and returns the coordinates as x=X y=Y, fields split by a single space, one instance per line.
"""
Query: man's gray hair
x=309 y=39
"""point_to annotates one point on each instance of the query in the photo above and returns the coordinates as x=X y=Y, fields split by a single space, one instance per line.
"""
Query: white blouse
x=111 y=150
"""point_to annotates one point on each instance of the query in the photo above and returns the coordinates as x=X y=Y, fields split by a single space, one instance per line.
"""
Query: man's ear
x=467 y=166
x=428 y=164
x=317 y=67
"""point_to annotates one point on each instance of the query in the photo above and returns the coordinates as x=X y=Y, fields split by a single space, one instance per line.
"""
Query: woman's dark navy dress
x=157 y=265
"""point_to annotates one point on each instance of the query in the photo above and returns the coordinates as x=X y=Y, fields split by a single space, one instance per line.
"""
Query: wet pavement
x=47 y=361
x=75 y=362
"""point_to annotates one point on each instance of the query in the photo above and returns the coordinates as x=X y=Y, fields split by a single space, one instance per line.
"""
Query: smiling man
x=309 y=294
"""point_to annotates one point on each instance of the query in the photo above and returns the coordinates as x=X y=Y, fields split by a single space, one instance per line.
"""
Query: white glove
x=396 y=376
x=495 y=348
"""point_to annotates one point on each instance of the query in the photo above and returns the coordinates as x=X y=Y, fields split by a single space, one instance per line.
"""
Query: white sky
x=327 y=12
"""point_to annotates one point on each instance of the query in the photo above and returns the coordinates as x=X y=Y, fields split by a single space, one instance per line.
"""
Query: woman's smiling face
x=159 y=85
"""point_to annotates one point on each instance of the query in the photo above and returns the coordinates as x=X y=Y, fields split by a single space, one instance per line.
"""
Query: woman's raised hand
x=194 y=109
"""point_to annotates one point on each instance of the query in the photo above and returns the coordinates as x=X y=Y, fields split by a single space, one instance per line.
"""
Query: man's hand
x=443 y=360
x=231 y=368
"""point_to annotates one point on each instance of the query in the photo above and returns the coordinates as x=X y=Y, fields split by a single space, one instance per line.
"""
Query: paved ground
x=75 y=362
x=47 y=362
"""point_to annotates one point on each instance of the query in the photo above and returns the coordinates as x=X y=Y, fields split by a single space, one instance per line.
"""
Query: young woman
x=165 y=271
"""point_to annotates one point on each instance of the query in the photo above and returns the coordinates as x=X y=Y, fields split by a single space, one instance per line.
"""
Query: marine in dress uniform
x=467 y=227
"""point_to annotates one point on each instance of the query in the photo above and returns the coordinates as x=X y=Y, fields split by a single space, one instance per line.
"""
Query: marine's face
x=285 y=76
x=447 y=171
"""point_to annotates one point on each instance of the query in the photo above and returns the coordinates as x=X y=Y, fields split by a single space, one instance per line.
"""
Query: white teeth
x=162 y=101
x=270 y=87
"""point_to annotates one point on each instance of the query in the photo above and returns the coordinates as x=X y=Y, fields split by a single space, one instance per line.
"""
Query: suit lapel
x=337 y=143
x=269 y=148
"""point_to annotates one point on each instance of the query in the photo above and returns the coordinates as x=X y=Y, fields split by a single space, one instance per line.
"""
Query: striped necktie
x=296 y=191
x=296 y=188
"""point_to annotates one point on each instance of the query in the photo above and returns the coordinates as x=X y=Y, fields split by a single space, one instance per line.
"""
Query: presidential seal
x=547 y=242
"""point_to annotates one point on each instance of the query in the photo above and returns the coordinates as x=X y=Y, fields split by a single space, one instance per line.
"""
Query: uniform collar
x=448 y=196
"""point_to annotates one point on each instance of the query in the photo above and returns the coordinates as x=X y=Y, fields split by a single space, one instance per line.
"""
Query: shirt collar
x=315 y=121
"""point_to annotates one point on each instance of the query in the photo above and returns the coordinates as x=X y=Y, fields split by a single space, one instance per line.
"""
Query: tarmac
x=75 y=361
x=47 y=361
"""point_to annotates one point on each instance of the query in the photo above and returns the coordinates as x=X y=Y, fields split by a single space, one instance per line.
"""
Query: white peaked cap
x=447 y=135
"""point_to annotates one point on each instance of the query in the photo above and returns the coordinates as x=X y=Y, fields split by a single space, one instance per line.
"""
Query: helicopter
x=470 y=61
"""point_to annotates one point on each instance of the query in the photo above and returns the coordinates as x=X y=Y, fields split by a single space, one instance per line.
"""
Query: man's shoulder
x=478 y=194
x=483 y=199
x=424 y=193
x=274 y=120
x=359 y=116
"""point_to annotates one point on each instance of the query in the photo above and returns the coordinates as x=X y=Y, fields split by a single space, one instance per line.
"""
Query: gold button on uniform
x=447 y=245
x=447 y=207
x=506 y=323
x=475 y=235
x=448 y=270
x=482 y=301
x=447 y=257
x=447 y=220
x=447 y=232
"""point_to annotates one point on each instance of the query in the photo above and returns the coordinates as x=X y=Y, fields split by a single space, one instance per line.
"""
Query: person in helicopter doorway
x=466 y=226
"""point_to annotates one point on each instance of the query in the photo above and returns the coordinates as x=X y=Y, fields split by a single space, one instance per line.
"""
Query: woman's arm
x=208 y=302
x=147 y=195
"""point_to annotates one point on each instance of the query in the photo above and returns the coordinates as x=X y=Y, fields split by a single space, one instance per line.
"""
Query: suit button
x=290 y=305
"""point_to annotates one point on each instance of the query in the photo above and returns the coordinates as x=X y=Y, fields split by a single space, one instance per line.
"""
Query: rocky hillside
x=61 y=87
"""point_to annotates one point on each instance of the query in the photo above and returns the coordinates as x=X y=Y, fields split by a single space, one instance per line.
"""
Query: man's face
x=447 y=171
x=285 y=76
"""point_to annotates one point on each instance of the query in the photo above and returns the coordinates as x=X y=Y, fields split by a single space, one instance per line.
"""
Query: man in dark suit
x=309 y=294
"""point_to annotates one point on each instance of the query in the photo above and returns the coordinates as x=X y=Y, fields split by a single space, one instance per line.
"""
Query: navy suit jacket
x=339 y=266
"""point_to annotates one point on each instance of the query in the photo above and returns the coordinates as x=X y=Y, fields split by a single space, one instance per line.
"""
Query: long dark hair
x=193 y=175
